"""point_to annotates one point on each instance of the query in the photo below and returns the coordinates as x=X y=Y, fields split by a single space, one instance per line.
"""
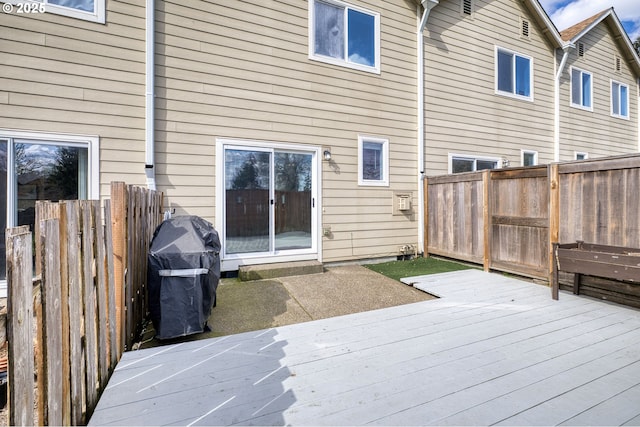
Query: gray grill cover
x=183 y=275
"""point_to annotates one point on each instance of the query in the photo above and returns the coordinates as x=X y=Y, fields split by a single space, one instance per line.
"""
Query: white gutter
x=556 y=125
x=149 y=118
x=428 y=6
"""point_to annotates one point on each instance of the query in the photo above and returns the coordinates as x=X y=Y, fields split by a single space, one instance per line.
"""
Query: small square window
x=581 y=155
x=529 y=158
x=373 y=161
x=343 y=35
x=581 y=89
x=514 y=73
x=619 y=100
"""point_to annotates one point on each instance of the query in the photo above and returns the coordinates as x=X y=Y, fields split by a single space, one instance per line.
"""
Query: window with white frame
x=344 y=35
x=619 y=100
x=581 y=89
x=373 y=161
x=89 y=10
x=579 y=155
x=529 y=158
x=462 y=163
x=35 y=166
x=514 y=74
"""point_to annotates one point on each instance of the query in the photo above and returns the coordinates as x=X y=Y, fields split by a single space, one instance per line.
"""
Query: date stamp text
x=23 y=8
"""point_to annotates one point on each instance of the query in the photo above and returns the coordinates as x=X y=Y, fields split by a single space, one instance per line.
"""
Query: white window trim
x=340 y=62
x=90 y=141
x=580 y=153
x=98 y=15
x=571 y=103
x=93 y=174
x=535 y=156
x=384 y=182
x=618 y=116
x=531 y=79
x=498 y=160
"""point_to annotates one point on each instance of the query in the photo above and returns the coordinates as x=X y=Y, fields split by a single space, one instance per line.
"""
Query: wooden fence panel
x=20 y=326
x=73 y=240
x=454 y=213
x=51 y=295
x=519 y=221
x=73 y=303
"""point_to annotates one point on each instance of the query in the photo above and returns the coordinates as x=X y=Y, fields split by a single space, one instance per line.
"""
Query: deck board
x=492 y=349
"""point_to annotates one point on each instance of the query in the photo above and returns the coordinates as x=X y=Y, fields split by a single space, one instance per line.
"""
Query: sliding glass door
x=269 y=202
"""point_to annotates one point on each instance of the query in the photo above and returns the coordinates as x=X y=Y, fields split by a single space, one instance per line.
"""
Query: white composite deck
x=492 y=350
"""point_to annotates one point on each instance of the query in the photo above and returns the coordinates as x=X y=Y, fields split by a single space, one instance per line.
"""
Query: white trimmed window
x=89 y=10
x=373 y=161
x=529 y=158
x=579 y=155
x=514 y=74
x=38 y=166
x=581 y=89
x=619 y=100
x=344 y=35
x=463 y=163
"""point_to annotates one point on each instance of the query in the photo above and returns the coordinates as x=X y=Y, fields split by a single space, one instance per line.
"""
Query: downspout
x=556 y=127
x=149 y=123
x=428 y=6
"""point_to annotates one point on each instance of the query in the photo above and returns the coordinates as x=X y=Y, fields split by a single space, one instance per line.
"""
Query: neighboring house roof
x=577 y=31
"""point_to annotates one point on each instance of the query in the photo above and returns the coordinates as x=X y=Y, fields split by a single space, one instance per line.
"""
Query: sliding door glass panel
x=247 y=187
x=47 y=172
x=293 y=182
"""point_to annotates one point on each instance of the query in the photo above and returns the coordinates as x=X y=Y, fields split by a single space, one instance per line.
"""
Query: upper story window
x=581 y=89
x=373 y=161
x=89 y=10
x=619 y=100
x=344 y=35
x=514 y=74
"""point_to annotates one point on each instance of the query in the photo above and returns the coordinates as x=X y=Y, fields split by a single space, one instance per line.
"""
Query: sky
x=565 y=13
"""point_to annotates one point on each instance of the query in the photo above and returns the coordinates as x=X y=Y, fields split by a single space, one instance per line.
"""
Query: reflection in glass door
x=268 y=200
x=292 y=200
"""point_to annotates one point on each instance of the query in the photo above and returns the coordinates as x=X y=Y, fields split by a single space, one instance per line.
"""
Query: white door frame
x=231 y=262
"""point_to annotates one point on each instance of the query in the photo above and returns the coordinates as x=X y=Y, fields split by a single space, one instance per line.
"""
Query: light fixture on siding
x=505 y=163
x=327 y=155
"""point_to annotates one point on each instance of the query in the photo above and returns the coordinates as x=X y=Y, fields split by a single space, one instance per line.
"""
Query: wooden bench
x=611 y=262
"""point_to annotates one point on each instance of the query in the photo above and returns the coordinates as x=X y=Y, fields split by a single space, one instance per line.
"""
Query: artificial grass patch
x=416 y=267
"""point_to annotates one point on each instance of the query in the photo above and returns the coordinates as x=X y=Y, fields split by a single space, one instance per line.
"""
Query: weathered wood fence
x=89 y=283
x=508 y=219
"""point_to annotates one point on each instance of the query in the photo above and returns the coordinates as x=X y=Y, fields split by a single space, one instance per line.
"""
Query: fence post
x=119 y=227
x=20 y=326
x=486 y=218
x=554 y=214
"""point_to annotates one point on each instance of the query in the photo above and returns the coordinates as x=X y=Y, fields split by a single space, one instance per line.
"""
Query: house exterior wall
x=463 y=114
x=597 y=132
x=68 y=76
x=241 y=70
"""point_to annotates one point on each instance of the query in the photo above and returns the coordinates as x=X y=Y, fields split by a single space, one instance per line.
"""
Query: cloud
x=565 y=13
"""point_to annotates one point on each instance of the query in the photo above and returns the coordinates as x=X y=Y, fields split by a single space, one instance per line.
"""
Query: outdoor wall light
x=327 y=155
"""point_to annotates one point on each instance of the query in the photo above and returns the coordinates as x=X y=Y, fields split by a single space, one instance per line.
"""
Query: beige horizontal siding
x=464 y=115
x=241 y=70
x=596 y=132
x=69 y=76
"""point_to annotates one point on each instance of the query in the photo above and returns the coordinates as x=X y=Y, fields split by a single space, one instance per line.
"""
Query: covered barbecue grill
x=183 y=275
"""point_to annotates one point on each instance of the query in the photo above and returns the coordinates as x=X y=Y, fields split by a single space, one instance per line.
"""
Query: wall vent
x=581 y=50
x=466 y=7
x=525 y=28
x=618 y=64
